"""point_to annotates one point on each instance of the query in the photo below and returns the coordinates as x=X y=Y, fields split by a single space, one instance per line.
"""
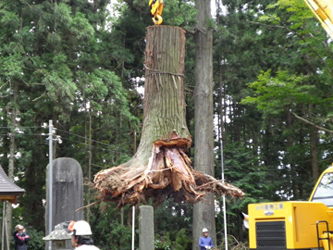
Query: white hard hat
x=205 y=230
x=81 y=227
x=245 y=220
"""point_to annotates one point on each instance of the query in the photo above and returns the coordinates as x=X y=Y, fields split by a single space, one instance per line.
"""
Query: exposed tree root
x=167 y=174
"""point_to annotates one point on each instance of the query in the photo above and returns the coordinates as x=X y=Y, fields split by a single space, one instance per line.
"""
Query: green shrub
x=36 y=241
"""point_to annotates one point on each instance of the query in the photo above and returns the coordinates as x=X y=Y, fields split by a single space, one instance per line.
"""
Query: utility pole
x=50 y=184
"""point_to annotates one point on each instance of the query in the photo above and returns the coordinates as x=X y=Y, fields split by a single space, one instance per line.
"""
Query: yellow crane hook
x=156 y=10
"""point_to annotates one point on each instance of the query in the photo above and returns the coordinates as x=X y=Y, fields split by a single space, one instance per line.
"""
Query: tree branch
x=312 y=124
x=267 y=25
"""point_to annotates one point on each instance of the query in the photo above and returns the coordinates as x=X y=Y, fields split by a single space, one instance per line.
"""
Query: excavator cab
x=323 y=191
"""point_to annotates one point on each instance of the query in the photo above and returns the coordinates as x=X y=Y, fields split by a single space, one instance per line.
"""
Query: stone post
x=146 y=228
x=67 y=195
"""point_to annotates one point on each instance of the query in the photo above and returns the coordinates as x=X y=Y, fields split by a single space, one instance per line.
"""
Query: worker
x=81 y=235
x=205 y=242
x=21 y=238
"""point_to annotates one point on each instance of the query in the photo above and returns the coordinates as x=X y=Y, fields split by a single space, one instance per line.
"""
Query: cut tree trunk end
x=161 y=168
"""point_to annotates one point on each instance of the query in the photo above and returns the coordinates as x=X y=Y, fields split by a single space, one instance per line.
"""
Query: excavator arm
x=323 y=10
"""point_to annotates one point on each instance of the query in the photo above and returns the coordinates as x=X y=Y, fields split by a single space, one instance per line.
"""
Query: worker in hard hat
x=81 y=235
x=205 y=242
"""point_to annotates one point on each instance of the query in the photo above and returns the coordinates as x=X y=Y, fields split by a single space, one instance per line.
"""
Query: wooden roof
x=8 y=190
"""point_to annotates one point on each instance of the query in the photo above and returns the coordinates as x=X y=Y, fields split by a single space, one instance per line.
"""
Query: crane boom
x=323 y=10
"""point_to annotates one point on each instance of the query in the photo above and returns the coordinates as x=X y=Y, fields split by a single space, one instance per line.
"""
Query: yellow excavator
x=302 y=225
x=294 y=224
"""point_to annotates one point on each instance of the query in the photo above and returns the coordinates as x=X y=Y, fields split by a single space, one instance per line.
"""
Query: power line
x=23 y=134
x=67 y=132
x=76 y=142
x=102 y=143
x=64 y=138
x=80 y=136
x=21 y=127
x=105 y=149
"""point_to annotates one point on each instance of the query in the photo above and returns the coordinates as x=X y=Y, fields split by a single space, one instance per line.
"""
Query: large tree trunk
x=204 y=211
x=164 y=99
x=160 y=166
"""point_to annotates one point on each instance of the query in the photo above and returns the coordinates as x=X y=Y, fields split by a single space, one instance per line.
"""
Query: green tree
x=279 y=39
x=55 y=54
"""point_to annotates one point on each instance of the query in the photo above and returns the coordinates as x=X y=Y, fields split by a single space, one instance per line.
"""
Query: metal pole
x=133 y=207
x=133 y=226
x=224 y=206
x=50 y=201
x=3 y=225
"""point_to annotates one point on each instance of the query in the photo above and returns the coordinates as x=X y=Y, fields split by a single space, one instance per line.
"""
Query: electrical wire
x=21 y=127
x=80 y=136
x=105 y=149
x=67 y=139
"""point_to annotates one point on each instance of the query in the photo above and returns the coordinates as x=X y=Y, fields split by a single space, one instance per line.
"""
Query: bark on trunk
x=204 y=211
x=160 y=166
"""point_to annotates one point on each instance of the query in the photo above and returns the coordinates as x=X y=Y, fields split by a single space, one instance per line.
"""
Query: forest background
x=80 y=65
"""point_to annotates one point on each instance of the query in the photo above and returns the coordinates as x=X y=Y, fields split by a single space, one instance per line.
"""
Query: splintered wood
x=168 y=174
x=160 y=168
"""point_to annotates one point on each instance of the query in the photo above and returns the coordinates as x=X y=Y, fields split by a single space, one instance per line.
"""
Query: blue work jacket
x=205 y=241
